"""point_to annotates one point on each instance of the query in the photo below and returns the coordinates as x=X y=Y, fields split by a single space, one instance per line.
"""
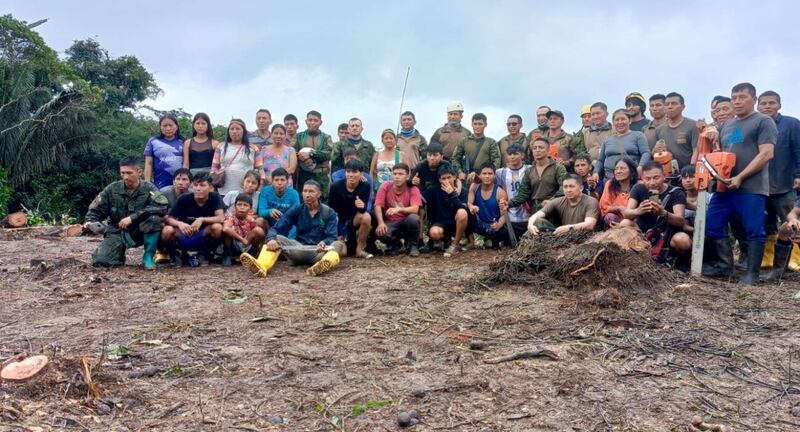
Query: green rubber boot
x=150 y=247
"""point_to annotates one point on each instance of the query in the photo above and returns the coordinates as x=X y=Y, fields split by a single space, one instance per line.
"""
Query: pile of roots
x=608 y=265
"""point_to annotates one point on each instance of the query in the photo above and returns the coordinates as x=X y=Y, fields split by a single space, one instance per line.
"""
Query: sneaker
x=193 y=261
x=439 y=245
x=414 y=252
x=227 y=261
x=425 y=248
x=451 y=251
x=175 y=259
x=202 y=259
x=488 y=244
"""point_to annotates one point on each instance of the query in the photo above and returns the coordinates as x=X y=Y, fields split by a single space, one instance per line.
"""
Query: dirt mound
x=610 y=265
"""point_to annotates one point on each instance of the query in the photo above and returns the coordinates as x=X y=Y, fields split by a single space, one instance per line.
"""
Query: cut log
x=64 y=231
x=24 y=369
x=14 y=220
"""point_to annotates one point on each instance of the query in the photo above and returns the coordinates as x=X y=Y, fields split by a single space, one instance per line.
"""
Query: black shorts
x=449 y=227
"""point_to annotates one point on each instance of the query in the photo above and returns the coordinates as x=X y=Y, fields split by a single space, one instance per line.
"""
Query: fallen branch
x=698 y=423
x=523 y=355
x=590 y=265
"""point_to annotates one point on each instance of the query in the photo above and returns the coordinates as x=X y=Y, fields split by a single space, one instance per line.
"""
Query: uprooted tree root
x=608 y=265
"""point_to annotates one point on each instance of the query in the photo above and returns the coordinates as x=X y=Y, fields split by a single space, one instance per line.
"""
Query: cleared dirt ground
x=352 y=349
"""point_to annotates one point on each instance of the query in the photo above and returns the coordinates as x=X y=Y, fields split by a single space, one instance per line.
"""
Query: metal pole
x=403 y=98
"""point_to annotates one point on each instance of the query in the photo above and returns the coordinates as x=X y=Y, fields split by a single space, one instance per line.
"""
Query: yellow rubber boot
x=769 y=251
x=161 y=257
x=794 y=259
x=326 y=264
x=260 y=266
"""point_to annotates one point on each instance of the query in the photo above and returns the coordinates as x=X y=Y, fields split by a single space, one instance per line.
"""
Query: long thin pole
x=403 y=98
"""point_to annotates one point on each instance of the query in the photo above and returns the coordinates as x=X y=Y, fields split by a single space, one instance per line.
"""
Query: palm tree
x=39 y=127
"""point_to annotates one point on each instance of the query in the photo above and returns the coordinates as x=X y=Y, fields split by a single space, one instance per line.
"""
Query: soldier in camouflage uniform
x=475 y=150
x=541 y=123
x=315 y=166
x=353 y=140
x=515 y=136
x=564 y=148
x=452 y=132
x=135 y=212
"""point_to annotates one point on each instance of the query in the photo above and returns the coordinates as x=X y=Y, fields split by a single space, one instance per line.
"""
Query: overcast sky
x=349 y=58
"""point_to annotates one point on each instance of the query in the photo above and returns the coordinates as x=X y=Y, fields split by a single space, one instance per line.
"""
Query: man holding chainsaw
x=751 y=137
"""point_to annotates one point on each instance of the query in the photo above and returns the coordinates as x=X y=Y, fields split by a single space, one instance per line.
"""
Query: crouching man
x=574 y=211
x=135 y=211
x=317 y=227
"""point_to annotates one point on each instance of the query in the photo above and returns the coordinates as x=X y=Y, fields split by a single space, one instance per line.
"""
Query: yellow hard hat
x=587 y=109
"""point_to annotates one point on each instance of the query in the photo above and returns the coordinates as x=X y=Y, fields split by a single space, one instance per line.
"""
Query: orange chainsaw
x=714 y=167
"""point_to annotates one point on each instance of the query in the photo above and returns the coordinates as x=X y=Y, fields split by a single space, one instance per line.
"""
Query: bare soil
x=329 y=353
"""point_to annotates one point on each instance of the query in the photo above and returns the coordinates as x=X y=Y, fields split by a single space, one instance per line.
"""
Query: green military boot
x=150 y=247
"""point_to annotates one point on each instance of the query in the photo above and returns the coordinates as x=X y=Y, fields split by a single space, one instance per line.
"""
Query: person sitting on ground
x=788 y=233
x=573 y=211
x=242 y=232
x=181 y=184
x=447 y=212
x=483 y=202
x=316 y=242
x=349 y=198
x=397 y=211
x=250 y=185
x=509 y=178
x=352 y=154
x=134 y=210
x=657 y=209
x=591 y=185
x=276 y=198
x=542 y=181
x=617 y=192
x=194 y=224
x=690 y=189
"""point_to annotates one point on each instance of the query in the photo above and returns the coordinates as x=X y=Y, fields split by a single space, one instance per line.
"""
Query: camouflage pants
x=111 y=251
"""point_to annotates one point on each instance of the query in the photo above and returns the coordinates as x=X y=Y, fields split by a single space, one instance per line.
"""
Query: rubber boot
x=717 y=258
x=769 y=251
x=782 y=252
x=741 y=263
x=261 y=265
x=162 y=257
x=150 y=247
x=794 y=261
x=326 y=264
x=755 y=253
x=227 y=261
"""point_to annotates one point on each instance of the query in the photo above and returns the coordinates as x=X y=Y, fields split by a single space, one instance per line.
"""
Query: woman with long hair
x=235 y=157
x=622 y=143
x=279 y=154
x=198 y=151
x=163 y=154
x=617 y=191
x=383 y=161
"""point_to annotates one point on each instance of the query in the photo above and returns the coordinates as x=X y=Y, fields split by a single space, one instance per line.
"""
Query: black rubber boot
x=741 y=263
x=755 y=253
x=782 y=252
x=717 y=258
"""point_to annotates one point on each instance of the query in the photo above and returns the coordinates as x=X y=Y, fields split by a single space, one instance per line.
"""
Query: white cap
x=455 y=106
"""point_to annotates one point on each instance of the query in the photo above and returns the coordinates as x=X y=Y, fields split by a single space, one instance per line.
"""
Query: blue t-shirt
x=167 y=158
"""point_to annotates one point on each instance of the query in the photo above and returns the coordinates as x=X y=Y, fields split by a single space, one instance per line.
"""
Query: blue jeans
x=749 y=207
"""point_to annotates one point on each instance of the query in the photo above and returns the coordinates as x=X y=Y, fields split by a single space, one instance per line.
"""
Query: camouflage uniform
x=566 y=147
x=506 y=142
x=449 y=137
x=478 y=151
x=322 y=145
x=535 y=188
x=365 y=153
x=145 y=205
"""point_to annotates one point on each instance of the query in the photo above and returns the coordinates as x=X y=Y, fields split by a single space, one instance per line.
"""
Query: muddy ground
x=352 y=349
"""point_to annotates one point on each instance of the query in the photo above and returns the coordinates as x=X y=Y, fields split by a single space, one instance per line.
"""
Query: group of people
x=277 y=190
